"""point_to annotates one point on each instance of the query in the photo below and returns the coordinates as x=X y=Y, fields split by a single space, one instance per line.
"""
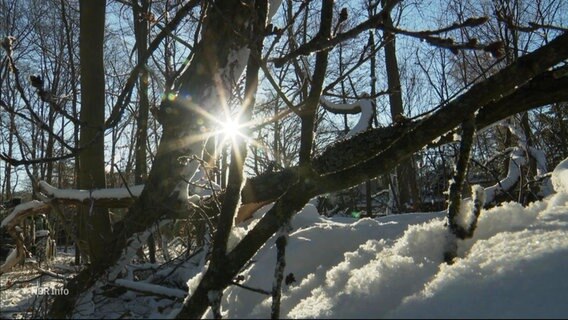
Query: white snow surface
x=392 y=267
x=560 y=177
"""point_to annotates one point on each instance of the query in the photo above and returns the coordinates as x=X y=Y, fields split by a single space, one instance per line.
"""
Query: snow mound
x=560 y=177
x=393 y=267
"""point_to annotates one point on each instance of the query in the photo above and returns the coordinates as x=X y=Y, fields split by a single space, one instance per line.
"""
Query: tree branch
x=310 y=184
x=319 y=43
x=546 y=88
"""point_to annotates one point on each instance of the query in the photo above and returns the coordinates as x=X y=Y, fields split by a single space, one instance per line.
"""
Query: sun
x=230 y=129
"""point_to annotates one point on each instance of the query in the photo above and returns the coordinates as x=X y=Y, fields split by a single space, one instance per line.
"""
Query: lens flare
x=230 y=129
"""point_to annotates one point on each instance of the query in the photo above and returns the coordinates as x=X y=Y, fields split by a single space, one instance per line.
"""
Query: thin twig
x=261 y=291
x=123 y=180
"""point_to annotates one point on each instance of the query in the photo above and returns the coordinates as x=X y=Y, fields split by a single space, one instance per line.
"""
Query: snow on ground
x=392 y=267
x=23 y=290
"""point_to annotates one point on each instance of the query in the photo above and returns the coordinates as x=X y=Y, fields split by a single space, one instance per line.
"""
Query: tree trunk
x=91 y=160
x=373 y=75
x=140 y=168
x=408 y=196
x=308 y=113
x=201 y=91
x=8 y=168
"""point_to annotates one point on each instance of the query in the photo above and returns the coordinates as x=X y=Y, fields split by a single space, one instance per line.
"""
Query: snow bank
x=512 y=274
x=316 y=245
x=390 y=267
x=393 y=267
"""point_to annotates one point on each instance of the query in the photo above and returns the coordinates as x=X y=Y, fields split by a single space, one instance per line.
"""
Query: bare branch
x=319 y=43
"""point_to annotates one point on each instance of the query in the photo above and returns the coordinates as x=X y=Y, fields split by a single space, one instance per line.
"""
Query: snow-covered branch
x=515 y=162
x=150 y=288
x=111 y=197
x=364 y=106
x=23 y=211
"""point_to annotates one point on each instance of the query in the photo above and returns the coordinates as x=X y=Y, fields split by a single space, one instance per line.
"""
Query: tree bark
x=97 y=230
x=460 y=174
x=373 y=75
x=308 y=112
x=407 y=187
x=140 y=169
x=201 y=89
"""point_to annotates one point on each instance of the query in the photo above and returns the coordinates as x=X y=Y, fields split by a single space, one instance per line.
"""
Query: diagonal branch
x=384 y=143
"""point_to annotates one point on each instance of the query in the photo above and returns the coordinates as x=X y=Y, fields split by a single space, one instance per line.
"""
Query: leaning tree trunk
x=201 y=93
